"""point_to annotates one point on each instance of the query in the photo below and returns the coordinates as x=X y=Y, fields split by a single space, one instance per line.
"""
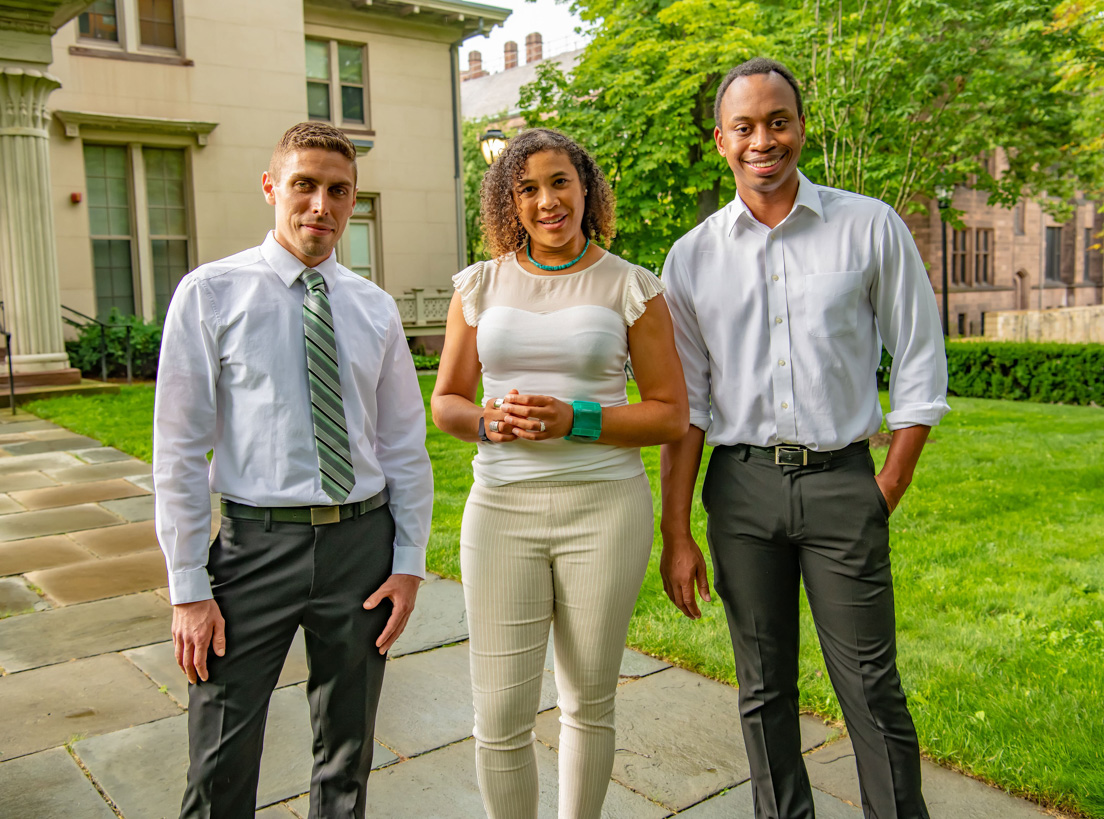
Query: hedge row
x=145 y=346
x=1013 y=371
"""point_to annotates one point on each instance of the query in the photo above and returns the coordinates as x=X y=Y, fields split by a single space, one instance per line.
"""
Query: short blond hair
x=308 y=135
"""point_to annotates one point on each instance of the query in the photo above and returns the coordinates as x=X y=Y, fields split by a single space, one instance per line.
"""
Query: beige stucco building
x=168 y=110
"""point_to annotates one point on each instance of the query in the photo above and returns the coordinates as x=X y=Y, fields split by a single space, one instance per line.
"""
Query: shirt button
x=781 y=362
x=774 y=277
x=785 y=405
x=778 y=320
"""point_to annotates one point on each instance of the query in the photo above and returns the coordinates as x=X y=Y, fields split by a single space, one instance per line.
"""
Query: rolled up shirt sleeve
x=401 y=452
x=183 y=434
x=908 y=321
x=689 y=343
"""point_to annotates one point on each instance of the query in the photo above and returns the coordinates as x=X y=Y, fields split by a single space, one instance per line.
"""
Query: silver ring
x=493 y=426
x=498 y=403
x=543 y=427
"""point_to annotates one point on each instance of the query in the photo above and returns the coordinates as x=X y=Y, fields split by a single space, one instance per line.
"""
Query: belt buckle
x=321 y=515
x=790 y=450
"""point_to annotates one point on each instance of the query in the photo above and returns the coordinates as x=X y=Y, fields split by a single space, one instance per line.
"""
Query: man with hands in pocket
x=781 y=303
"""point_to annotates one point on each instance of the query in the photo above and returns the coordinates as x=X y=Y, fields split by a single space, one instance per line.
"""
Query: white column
x=28 y=253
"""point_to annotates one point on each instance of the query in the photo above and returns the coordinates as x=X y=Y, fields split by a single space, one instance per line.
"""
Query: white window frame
x=336 y=110
x=141 y=240
x=344 y=250
x=126 y=19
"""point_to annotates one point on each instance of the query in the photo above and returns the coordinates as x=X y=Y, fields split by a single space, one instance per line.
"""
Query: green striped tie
x=335 y=461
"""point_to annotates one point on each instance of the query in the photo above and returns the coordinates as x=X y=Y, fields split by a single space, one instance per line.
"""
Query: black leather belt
x=794 y=455
x=314 y=515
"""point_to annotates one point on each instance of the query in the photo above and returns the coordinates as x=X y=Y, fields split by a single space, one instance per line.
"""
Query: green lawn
x=999 y=583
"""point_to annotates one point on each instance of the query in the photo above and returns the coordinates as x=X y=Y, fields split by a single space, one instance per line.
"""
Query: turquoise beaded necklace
x=554 y=267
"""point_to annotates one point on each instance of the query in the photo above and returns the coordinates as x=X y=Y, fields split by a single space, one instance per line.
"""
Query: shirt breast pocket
x=832 y=303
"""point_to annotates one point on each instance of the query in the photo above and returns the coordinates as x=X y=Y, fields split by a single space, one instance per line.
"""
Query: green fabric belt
x=316 y=515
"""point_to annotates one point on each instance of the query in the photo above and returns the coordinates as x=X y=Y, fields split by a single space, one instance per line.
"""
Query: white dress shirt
x=778 y=329
x=232 y=377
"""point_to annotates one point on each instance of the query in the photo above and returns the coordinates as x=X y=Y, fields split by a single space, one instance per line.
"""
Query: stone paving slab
x=678 y=737
x=51 y=444
x=281 y=811
x=112 y=541
x=9 y=506
x=442 y=785
x=54 y=521
x=97 y=579
x=100 y=455
x=17 y=557
x=949 y=795
x=49 y=785
x=47 y=637
x=737 y=802
x=427 y=701
x=47 y=707
x=24 y=480
x=633 y=663
x=55 y=496
x=438 y=619
x=37 y=463
x=146 y=482
x=81 y=472
x=56 y=432
x=26 y=423
x=158 y=662
x=144 y=769
x=131 y=509
x=16 y=598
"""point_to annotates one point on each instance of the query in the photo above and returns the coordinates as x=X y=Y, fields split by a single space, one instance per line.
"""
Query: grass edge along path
x=999 y=583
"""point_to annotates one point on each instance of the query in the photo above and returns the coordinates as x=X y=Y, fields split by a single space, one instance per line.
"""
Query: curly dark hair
x=502 y=229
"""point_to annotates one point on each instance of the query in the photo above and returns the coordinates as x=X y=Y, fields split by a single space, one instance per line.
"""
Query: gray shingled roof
x=498 y=93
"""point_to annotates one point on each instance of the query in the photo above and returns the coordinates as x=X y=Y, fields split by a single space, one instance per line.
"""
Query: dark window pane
x=318 y=60
x=318 y=100
x=99 y=23
x=113 y=276
x=157 y=23
x=350 y=64
x=352 y=104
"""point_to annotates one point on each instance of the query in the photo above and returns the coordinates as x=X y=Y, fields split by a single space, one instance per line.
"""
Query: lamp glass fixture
x=491 y=144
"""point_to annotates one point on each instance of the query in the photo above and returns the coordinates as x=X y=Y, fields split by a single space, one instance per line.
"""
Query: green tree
x=903 y=96
x=906 y=96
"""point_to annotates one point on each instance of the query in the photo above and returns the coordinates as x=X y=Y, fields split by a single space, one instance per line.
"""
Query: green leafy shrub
x=426 y=362
x=1015 y=371
x=145 y=343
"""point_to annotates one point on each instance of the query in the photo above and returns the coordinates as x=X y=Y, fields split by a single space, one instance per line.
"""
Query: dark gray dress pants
x=769 y=528
x=268 y=580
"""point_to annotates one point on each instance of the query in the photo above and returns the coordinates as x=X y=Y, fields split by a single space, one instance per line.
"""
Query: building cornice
x=75 y=121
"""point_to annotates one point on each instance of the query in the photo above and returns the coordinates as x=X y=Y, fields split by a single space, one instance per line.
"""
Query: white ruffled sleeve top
x=565 y=336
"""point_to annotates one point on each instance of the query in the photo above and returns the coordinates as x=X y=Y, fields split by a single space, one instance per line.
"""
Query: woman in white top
x=558 y=526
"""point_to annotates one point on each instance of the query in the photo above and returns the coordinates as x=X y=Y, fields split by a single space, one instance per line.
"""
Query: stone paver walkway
x=92 y=705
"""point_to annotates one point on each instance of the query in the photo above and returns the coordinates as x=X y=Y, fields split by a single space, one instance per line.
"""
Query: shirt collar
x=808 y=196
x=288 y=268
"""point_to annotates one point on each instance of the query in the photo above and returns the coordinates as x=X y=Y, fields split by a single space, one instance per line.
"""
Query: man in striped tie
x=295 y=373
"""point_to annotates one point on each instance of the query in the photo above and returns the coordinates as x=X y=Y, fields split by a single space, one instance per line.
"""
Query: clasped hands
x=520 y=416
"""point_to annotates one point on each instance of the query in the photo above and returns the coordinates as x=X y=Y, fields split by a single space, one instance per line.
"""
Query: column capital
x=23 y=95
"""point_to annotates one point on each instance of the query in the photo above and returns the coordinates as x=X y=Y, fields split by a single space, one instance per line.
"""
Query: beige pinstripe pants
x=533 y=553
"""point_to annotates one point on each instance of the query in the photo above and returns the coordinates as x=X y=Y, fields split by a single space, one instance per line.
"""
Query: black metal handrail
x=8 y=356
x=103 y=341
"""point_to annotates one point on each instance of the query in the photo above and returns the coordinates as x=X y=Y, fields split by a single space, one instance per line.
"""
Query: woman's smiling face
x=551 y=201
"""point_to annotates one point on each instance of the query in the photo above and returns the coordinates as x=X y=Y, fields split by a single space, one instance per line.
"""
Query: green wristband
x=587 y=423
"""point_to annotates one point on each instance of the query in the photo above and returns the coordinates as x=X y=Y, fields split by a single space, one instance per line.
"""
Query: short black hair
x=753 y=67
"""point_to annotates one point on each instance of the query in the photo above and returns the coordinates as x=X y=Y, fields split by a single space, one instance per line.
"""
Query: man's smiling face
x=314 y=198
x=760 y=135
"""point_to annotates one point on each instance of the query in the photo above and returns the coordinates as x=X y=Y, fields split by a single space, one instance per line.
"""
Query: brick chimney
x=511 y=55
x=533 y=48
x=475 y=67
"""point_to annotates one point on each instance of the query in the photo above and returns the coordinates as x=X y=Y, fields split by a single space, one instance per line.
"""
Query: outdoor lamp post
x=491 y=144
x=943 y=196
